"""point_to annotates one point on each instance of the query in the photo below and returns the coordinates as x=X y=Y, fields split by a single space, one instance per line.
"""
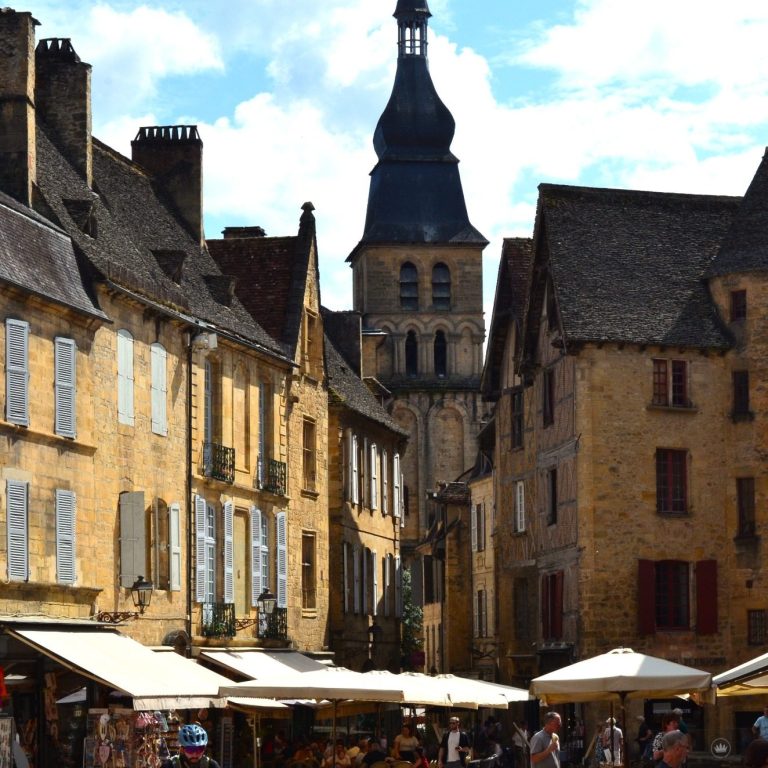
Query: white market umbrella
x=747 y=679
x=417 y=688
x=469 y=693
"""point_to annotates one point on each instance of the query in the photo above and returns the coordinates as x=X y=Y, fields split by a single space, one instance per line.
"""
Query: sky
x=668 y=95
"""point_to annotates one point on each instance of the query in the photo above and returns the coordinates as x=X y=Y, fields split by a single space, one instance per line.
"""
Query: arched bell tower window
x=411 y=354
x=441 y=286
x=409 y=287
x=441 y=355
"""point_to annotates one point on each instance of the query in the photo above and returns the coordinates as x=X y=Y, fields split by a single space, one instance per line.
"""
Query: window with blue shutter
x=159 y=389
x=64 y=382
x=17 y=372
x=174 y=526
x=125 y=378
x=256 y=582
x=229 y=552
x=17 y=499
x=133 y=538
x=65 y=537
x=282 y=560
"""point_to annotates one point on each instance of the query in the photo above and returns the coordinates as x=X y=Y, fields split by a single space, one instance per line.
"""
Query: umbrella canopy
x=417 y=688
x=616 y=675
x=747 y=679
x=332 y=683
x=472 y=694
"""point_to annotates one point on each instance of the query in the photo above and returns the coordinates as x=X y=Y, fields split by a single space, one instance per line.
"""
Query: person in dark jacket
x=454 y=746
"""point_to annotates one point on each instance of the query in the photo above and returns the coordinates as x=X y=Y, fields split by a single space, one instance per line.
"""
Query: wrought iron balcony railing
x=218 y=620
x=273 y=626
x=270 y=476
x=219 y=462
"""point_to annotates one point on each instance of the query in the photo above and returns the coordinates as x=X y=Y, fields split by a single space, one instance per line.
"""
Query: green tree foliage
x=411 y=622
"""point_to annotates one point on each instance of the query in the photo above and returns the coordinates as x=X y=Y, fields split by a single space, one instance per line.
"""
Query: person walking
x=760 y=728
x=545 y=744
x=454 y=746
x=613 y=742
x=668 y=724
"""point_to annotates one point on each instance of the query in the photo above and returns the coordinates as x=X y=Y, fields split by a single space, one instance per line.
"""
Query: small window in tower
x=738 y=306
x=441 y=287
x=441 y=355
x=409 y=287
x=411 y=354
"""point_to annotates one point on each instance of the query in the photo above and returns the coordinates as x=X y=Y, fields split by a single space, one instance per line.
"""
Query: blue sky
x=664 y=94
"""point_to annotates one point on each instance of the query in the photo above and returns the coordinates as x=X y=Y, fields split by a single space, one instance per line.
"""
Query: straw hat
x=353 y=751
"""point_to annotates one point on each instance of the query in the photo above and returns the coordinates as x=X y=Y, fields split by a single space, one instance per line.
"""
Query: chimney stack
x=63 y=99
x=173 y=155
x=18 y=152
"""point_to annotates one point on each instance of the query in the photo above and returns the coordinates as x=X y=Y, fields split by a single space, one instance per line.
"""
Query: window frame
x=672 y=471
x=440 y=354
x=757 y=627
x=409 y=287
x=738 y=306
x=745 y=507
x=309 y=455
x=125 y=378
x=672 y=586
x=517 y=418
x=552 y=496
x=741 y=400
x=65 y=386
x=441 y=287
x=159 y=388
x=671 y=383
x=519 y=506
x=17 y=372
x=308 y=570
x=548 y=397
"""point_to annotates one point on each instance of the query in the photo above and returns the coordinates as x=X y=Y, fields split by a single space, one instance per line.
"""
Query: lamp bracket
x=116 y=617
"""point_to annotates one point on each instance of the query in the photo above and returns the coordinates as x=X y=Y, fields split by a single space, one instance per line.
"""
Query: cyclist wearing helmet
x=193 y=739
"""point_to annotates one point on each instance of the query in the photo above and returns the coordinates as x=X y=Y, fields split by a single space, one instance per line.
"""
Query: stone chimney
x=18 y=153
x=173 y=155
x=63 y=99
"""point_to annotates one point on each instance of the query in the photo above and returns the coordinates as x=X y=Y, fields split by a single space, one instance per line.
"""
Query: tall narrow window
x=17 y=501
x=308 y=574
x=552 y=606
x=265 y=432
x=409 y=287
x=441 y=287
x=519 y=506
x=65 y=419
x=397 y=483
x=670 y=383
x=125 y=378
x=65 y=537
x=738 y=306
x=374 y=473
x=385 y=482
x=441 y=355
x=672 y=594
x=411 y=354
x=229 y=551
x=17 y=372
x=133 y=537
x=480 y=512
x=310 y=472
x=671 y=481
x=281 y=523
x=174 y=544
x=548 y=397
x=159 y=389
x=741 y=395
x=745 y=495
x=756 y=627
x=552 y=496
x=517 y=418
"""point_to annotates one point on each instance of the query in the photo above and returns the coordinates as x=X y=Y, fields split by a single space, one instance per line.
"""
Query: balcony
x=218 y=620
x=270 y=476
x=219 y=462
x=274 y=626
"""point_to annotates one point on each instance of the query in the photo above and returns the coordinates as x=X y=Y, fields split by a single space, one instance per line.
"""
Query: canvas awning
x=747 y=679
x=153 y=680
x=257 y=664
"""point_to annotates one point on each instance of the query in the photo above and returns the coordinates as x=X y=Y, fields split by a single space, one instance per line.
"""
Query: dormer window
x=409 y=287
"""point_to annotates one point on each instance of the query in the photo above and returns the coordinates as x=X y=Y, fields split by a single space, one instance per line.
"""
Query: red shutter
x=646 y=597
x=557 y=606
x=706 y=597
x=545 y=622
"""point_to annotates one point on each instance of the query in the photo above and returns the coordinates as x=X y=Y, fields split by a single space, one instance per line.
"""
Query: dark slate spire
x=415 y=194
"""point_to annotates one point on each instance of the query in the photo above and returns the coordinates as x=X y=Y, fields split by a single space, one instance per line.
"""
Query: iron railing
x=218 y=620
x=273 y=626
x=270 y=476
x=219 y=462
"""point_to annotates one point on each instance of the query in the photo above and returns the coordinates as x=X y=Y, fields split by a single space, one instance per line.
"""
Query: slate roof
x=745 y=247
x=346 y=388
x=38 y=257
x=271 y=275
x=629 y=266
x=131 y=224
x=509 y=304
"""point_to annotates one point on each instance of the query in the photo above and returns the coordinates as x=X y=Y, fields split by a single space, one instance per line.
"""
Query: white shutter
x=256 y=585
x=65 y=537
x=348 y=474
x=364 y=581
x=520 y=506
x=64 y=382
x=398 y=587
x=387 y=582
x=480 y=527
x=345 y=574
x=396 y=496
x=17 y=372
x=199 y=549
x=355 y=472
x=375 y=579
x=473 y=526
x=384 y=482
x=356 y=579
x=133 y=538
x=476 y=615
x=17 y=496
x=282 y=560
x=374 y=476
x=229 y=552
x=125 y=377
x=159 y=389
x=364 y=460
x=174 y=526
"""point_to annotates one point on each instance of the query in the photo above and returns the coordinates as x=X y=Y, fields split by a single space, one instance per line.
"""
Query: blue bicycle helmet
x=192 y=735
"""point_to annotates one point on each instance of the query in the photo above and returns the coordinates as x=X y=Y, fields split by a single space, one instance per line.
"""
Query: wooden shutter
x=229 y=552
x=396 y=479
x=646 y=597
x=546 y=625
x=375 y=582
x=364 y=461
x=557 y=605
x=65 y=537
x=384 y=482
x=398 y=587
x=256 y=586
x=355 y=472
x=17 y=500
x=476 y=614
x=282 y=560
x=345 y=575
x=125 y=377
x=17 y=372
x=159 y=389
x=387 y=583
x=133 y=538
x=374 y=476
x=174 y=527
x=473 y=526
x=356 y=579
x=706 y=597
x=64 y=386
x=480 y=527
x=520 y=506
x=200 y=509
x=364 y=573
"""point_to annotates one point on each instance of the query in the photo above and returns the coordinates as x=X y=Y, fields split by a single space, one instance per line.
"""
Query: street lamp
x=141 y=592
x=267 y=602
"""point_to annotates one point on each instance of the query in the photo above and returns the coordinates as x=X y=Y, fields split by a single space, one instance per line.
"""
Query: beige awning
x=153 y=680
x=257 y=664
